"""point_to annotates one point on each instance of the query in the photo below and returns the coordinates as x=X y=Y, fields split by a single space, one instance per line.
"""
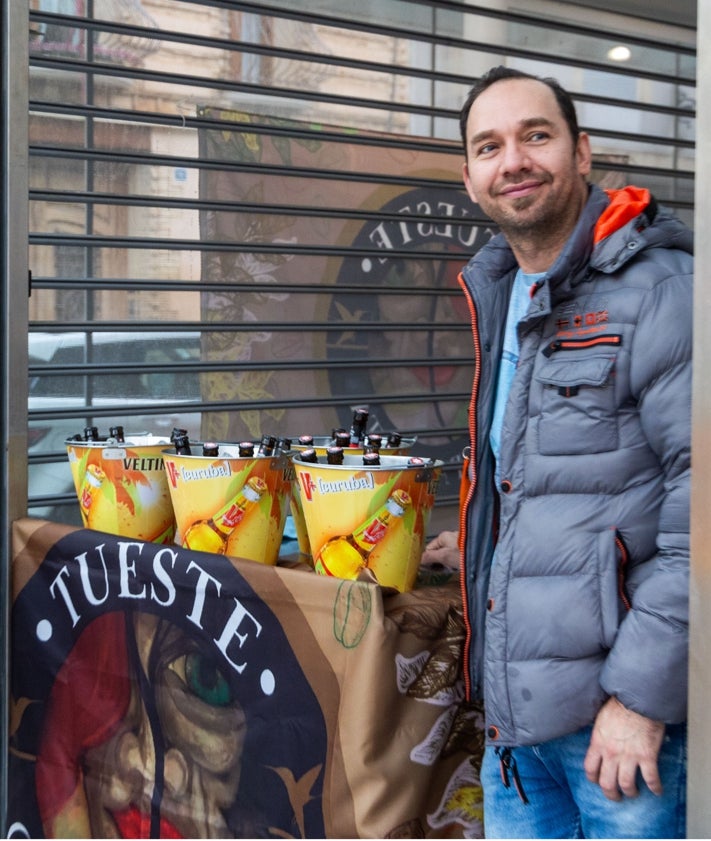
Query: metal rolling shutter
x=276 y=189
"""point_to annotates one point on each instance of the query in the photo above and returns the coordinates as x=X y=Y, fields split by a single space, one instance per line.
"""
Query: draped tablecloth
x=161 y=692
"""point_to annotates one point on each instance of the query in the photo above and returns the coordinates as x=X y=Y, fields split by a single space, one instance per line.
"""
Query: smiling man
x=574 y=543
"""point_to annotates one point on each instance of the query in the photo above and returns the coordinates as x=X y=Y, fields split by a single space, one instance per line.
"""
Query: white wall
x=699 y=802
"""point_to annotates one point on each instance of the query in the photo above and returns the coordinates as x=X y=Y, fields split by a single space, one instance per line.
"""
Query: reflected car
x=68 y=397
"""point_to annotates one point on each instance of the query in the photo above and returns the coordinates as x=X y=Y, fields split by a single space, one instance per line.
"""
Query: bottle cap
x=182 y=445
x=334 y=455
x=267 y=444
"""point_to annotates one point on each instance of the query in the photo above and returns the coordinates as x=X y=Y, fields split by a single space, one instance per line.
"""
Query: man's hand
x=623 y=741
x=443 y=549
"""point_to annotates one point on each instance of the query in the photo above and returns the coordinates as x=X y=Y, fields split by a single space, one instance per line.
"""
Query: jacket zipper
x=622 y=570
x=470 y=492
x=581 y=344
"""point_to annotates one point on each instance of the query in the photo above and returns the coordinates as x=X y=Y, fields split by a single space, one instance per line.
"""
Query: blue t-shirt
x=518 y=306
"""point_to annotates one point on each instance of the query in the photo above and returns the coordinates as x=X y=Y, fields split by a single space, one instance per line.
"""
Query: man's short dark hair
x=496 y=74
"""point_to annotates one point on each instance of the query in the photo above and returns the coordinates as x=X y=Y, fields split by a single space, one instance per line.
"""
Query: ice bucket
x=122 y=487
x=230 y=504
x=368 y=522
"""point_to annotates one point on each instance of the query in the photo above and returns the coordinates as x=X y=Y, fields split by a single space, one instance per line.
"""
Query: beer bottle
x=334 y=455
x=394 y=439
x=345 y=556
x=266 y=446
x=357 y=432
x=210 y=449
x=309 y=455
x=177 y=432
x=336 y=431
x=371 y=459
x=245 y=449
x=90 y=489
x=284 y=444
x=374 y=441
x=306 y=440
x=182 y=445
x=212 y=535
x=91 y=433
x=343 y=439
x=116 y=432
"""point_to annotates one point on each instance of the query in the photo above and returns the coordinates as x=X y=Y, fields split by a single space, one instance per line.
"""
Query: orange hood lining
x=625 y=204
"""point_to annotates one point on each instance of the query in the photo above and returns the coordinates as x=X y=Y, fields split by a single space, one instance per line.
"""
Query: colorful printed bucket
x=122 y=488
x=230 y=504
x=368 y=522
x=321 y=443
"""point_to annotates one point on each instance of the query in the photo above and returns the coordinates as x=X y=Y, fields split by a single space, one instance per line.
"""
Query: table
x=161 y=692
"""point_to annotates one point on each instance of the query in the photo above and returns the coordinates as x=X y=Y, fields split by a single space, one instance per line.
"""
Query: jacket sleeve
x=646 y=668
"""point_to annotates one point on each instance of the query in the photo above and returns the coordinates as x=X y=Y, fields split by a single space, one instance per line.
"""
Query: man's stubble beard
x=515 y=221
x=546 y=227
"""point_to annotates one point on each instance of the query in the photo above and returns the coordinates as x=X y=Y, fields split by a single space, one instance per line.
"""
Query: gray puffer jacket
x=588 y=594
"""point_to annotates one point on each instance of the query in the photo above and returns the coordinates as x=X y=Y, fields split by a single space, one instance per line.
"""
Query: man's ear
x=583 y=153
x=468 y=182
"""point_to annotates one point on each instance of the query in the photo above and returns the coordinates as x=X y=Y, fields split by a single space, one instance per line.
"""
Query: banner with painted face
x=161 y=692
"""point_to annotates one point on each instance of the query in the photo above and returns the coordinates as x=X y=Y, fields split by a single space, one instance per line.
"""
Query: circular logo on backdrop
x=405 y=366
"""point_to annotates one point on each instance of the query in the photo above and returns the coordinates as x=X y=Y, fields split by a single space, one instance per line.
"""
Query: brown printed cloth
x=161 y=692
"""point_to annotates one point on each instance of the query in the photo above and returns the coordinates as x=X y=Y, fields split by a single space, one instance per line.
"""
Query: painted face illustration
x=158 y=696
x=183 y=734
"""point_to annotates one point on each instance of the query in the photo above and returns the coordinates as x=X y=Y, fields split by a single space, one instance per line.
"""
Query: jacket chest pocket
x=578 y=408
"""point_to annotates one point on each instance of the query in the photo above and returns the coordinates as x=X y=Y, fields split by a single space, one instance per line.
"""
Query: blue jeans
x=564 y=804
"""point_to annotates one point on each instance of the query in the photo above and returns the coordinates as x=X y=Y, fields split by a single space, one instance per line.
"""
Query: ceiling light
x=619 y=53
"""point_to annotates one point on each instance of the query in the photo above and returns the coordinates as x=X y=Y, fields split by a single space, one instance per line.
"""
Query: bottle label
x=232 y=517
x=375 y=532
x=86 y=498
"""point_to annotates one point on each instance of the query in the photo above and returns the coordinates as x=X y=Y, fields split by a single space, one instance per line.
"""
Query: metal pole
x=13 y=323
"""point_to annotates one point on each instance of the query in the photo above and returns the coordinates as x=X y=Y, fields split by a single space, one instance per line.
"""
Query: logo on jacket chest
x=579 y=318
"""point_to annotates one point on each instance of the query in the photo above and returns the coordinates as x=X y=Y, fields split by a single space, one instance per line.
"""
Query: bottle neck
x=372 y=531
x=228 y=519
x=230 y=515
